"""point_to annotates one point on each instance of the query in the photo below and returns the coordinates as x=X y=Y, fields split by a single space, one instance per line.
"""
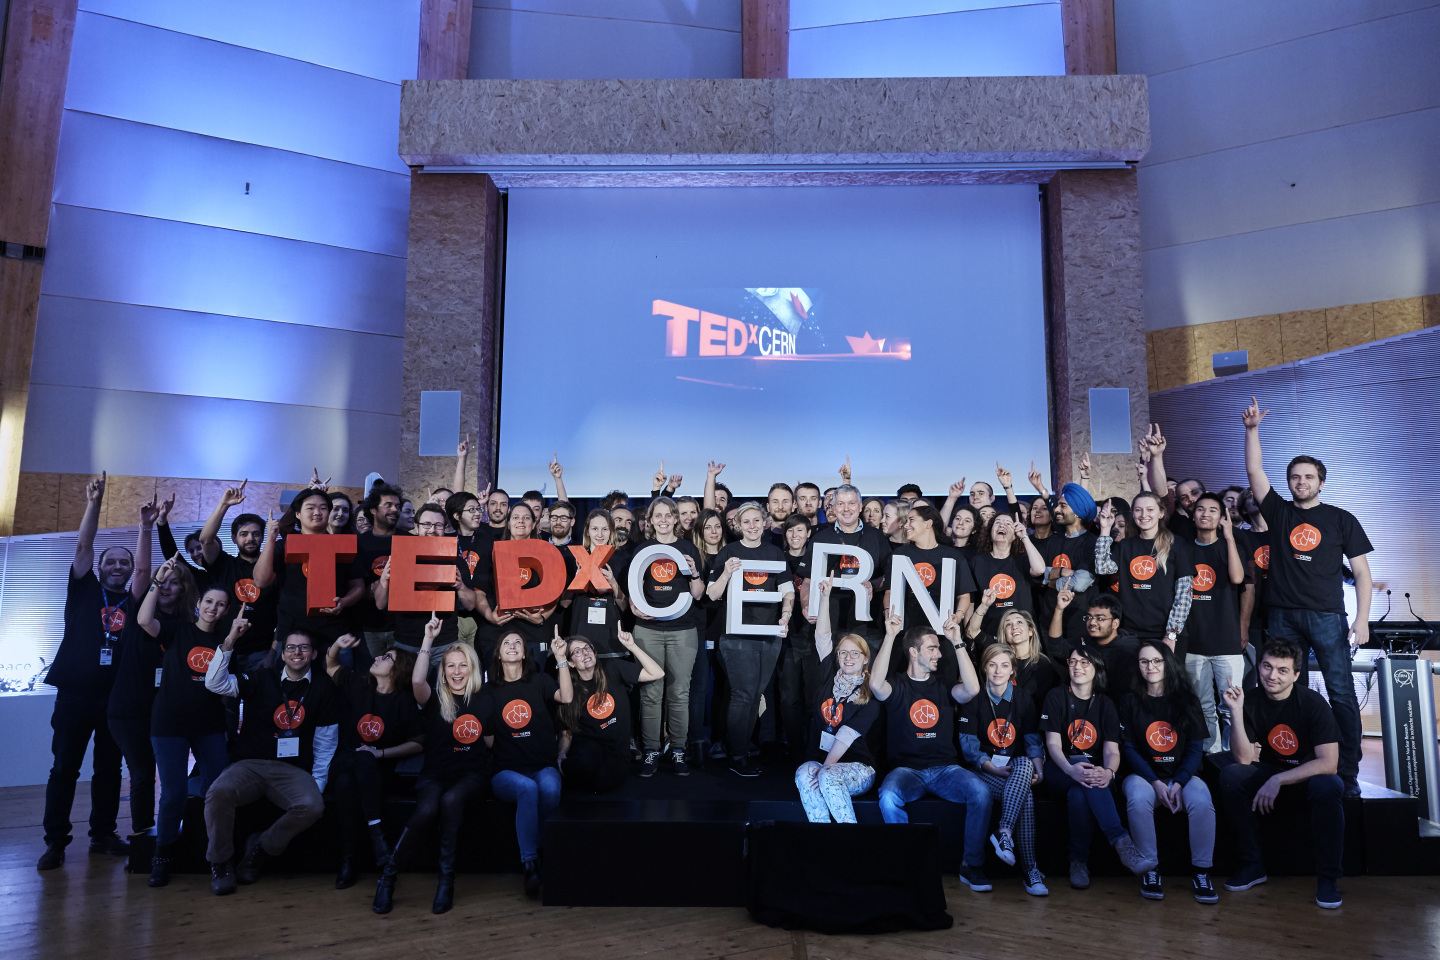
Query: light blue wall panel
x=824 y=13
x=356 y=36
x=591 y=41
x=147 y=349
x=1002 y=41
x=128 y=167
x=136 y=72
x=80 y=430
x=97 y=255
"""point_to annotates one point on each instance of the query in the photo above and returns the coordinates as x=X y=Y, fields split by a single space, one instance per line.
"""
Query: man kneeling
x=921 y=737
x=1291 y=748
x=288 y=738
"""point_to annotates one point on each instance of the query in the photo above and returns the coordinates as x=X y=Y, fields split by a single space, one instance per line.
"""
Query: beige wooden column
x=764 y=39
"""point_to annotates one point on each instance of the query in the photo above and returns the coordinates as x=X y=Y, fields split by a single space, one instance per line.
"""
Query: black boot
x=445 y=889
x=385 y=889
x=349 y=870
x=532 y=878
x=53 y=856
x=378 y=845
x=160 y=866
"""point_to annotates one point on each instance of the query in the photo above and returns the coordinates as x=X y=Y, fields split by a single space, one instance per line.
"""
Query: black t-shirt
x=1214 y=621
x=137 y=675
x=827 y=716
x=1121 y=657
x=1289 y=730
x=477 y=566
x=767 y=614
x=930 y=565
x=1068 y=554
x=605 y=717
x=920 y=723
x=663 y=581
x=1254 y=546
x=519 y=715
x=1085 y=726
x=183 y=707
x=95 y=620
x=843 y=619
x=456 y=747
x=292 y=583
x=596 y=617
x=274 y=709
x=1158 y=732
x=237 y=575
x=1010 y=579
x=1147 y=592
x=1000 y=727
x=1308 y=548
x=531 y=575
x=1182 y=526
x=373 y=718
x=372 y=551
x=1038 y=678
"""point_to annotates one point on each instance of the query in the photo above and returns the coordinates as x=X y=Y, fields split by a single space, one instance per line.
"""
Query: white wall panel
x=97 y=255
x=1338 y=172
x=823 y=13
x=1001 y=41
x=81 y=430
x=1156 y=36
x=717 y=14
x=1308 y=266
x=136 y=72
x=524 y=44
x=357 y=36
x=129 y=167
x=147 y=349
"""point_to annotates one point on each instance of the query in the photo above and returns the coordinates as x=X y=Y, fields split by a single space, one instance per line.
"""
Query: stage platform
x=673 y=841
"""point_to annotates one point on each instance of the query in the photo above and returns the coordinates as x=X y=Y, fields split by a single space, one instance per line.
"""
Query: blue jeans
x=953 y=783
x=1327 y=635
x=1087 y=806
x=534 y=797
x=171 y=754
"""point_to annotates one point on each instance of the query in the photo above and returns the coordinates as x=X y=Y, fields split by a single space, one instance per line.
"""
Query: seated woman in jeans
x=595 y=741
x=1164 y=735
x=839 y=765
x=526 y=746
x=1082 y=737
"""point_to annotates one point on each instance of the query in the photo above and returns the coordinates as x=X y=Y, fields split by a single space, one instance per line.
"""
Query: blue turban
x=1079 y=500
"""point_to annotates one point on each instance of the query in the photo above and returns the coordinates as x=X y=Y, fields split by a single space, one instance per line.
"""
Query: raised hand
x=432 y=628
x=658 y=481
x=238 y=626
x=347 y=642
x=1036 y=480
x=559 y=647
x=272 y=526
x=149 y=512
x=316 y=483
x=626 y=638
x=234 y=496
x=1234 y=699
x=1107 y=517
x=484 y=495
x=1085 y=466
x=987 y=599
x=1155 y=440
x=1063 y=598
x=1226 y=529
x=823 y=587
x=95 y=489
x=712 y=469
x=462 y=449
x=1140 y=468
x=674 y=484
x=957 y=490
x=165 y=506
x=555 y=469
x=893 y=623
x=845 y=470
x=1253 y=414
x=1003 y=476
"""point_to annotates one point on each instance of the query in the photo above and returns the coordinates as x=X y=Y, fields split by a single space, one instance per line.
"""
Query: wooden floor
x=91 y=908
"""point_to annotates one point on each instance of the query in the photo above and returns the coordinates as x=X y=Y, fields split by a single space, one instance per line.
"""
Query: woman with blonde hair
x=1156 y=573
x=838 y=764
x=456 y=770
x=1035 y=671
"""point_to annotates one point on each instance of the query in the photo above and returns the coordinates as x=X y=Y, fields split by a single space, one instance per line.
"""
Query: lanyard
x=105 y=616
x=290 y=714
x=1002 y=724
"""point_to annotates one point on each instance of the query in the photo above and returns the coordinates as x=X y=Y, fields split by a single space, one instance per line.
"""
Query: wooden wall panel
x=444 y=39
x=764 y=39
x=1089 y=30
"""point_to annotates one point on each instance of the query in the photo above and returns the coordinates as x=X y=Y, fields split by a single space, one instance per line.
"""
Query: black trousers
x=590 y=767
x=1322 y=796
x=75 y=721
x=445 y=798
x=358 y=780
x=132 y=735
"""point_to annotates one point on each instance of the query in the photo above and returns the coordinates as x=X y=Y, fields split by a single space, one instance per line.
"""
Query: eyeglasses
x=1104 y=618
x=431 y=526
x=472 y=510
x=849 y=654
x=1157 y=662
x=561 y=516
x=295 y=648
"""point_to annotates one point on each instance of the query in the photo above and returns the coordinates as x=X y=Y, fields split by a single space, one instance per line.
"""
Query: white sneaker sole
x=1007 y=857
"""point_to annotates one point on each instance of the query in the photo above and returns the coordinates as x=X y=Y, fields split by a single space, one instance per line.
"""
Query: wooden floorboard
x=91 y=908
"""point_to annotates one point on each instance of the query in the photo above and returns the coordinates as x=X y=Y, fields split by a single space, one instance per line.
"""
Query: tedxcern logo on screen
x=763 y=323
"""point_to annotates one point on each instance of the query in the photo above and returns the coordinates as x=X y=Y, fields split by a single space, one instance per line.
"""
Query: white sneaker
x=1035 y=883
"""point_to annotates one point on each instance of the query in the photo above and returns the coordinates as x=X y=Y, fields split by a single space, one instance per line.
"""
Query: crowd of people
x=978 y=648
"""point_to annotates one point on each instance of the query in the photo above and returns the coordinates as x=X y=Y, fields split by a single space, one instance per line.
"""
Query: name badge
x=596 y=612
x=107 y=656
x=709 y=644
x=159 y=672
x=1000 y=761
x=287 y=747
x=827 y=741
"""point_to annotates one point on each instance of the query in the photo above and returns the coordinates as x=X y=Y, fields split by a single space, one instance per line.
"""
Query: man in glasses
x=1102 y=635
x=283 y=752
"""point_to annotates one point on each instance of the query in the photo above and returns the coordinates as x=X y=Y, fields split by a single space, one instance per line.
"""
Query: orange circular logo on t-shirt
x=516 y=714
x=246 y=591
x=1003 y=586
x=1262 y=557
x=927 y=573
x=848 y=563
x=525 y=574
x=834 y=713
x=923 y=714
x=755 y=578
x=370 y=727
x=662 y=571
x=1305 y=537
x=1283 y=740
x=1161 y=736
x=1115 y=587
x=1062 y=562
x=305 y=568
x=600 y=706
x=1001 y=733
x=465 y=729
x=1142 y=568
x=1204 y=577
x=289 y=716
x=199 y=658
x=1082 y=734
x=471 y=558
x=377 y=566
x=112 y=619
